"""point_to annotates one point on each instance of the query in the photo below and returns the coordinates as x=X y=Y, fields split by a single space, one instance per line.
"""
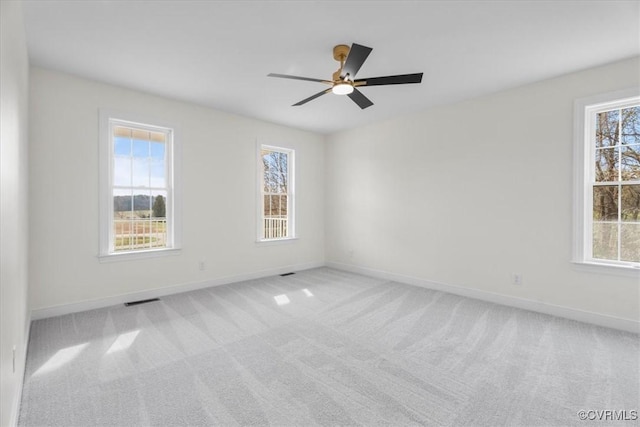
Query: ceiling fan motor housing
x=340 y=52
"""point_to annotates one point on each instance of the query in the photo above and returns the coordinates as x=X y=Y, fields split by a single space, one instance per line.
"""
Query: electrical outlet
x=201 y=265
x=516 y=279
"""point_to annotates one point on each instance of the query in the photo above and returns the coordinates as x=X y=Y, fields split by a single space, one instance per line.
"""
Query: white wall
x=218 y=203
x=14 y=79
x=468 y=194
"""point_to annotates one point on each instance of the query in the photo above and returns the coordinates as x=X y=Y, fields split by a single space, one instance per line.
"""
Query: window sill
x=271 y=242
x=610 y=269
x=130 y=256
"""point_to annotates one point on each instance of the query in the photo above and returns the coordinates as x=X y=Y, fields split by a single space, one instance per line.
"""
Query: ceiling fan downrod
x=340 y=53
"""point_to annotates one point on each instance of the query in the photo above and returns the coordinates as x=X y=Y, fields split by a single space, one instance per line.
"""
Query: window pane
x=140 y=220
x=122 y=203
x=605 y=203
x=283 y=205
x=122 y=132
x=122 y=171
x=275 y=205
x=607 y=164
x=158 y=173
x=159 y=204
x=157 y=150
x=605 y=241
x=122 y=146
x=141 y=169
x=275 y=167
x=266 y=205
x=270 y=184
x=607 y=128
x=140 y=148
x=122 y=219
x=141 y=227
x=630 y=163
x=275 y=216
x=631 y=125
x=630 y=203
x=157 y=235
x=630 y=243
x=141 y=203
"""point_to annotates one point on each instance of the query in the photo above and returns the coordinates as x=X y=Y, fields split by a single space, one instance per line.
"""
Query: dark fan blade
x=356 y=57
x=311 y=98
x=286 y=76
x=391 y=80
x=362 y=101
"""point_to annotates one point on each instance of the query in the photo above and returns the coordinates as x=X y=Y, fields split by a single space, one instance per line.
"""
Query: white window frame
x=108 y=119
x=585 y=110
x=291 y=199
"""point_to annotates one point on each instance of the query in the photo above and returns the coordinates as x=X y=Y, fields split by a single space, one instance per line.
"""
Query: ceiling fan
x=343 y=81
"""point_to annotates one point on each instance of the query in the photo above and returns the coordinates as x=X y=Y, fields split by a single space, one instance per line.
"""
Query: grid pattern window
x=140 y=187
x=276 y=198
x=613 y=193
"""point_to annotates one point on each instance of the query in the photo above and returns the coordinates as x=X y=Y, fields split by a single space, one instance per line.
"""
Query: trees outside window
x=159 y=208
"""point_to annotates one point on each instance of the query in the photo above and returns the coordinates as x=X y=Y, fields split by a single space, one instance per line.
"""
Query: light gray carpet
x=324 y=347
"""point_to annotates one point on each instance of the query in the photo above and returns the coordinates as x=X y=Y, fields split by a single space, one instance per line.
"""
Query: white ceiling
x=218 y=53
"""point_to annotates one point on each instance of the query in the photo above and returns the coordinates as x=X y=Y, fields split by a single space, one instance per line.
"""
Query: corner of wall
x=14 y=217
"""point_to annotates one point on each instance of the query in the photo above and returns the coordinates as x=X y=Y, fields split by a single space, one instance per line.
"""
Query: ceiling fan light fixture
x=342 y=89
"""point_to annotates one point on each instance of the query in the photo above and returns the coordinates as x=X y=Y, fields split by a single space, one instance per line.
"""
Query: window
x=276 y=213
x=611 y=182
x=138 y=192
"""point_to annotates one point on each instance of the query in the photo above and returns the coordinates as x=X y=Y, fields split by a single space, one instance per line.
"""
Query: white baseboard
x=526 y=304
x=59 y=310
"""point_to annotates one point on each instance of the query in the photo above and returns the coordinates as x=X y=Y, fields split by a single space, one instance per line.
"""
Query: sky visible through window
x=139 y=163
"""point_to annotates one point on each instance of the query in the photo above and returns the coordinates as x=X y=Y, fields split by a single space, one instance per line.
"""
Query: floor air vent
x=142 y=301
x=287 y=274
